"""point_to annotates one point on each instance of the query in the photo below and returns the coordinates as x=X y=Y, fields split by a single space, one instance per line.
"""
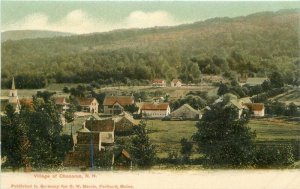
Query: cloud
x=78 y=21
x=139 y=19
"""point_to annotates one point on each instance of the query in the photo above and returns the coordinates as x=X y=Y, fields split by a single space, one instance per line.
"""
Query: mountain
x=30 y=34
x=256 y=44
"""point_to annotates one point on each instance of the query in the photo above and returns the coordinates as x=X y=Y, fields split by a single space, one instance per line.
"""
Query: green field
x=275 y=129
x=166 y=135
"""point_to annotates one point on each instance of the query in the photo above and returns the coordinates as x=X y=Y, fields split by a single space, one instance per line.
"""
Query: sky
x=100 y=16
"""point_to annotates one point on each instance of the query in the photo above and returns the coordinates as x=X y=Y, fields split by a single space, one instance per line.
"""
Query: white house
x=62 y=103
x=155 y=110
x=88 y=105
x=159 y=83
x=115 y=104
x=257 y=109
x=176 y=83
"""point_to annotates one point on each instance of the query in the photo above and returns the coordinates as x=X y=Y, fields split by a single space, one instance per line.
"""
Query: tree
x=131 y=108
x=223 y=139
x=14 y=141
x=186 y=149
x=66 y=89
x=276 y=80
x=44 y=133
x=266 y=85
x=142 y=149
x=292 y=110
x=223 y=89
x=46 y=95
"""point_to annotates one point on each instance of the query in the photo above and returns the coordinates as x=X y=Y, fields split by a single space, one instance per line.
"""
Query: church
x=12 y=99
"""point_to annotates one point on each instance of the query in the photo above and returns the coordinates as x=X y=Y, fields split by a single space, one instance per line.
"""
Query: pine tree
x=142 y=149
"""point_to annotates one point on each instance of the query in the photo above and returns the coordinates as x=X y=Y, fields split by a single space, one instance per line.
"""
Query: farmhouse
x=155 y=110
x=185 y=112
x=61 y=103
x=159 y=83
x=176 y=83
x=13 y=99
x=88 y=104
x=257 y=109
x=115 y=104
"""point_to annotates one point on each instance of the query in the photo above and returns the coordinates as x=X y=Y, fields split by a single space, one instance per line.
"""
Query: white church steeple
x=13 y=93
x=13 y=96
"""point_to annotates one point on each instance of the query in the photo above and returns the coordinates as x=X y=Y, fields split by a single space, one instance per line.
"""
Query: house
x=155 y=110
x=92 y=143
x=185 y=112
x=61 y=103
x=88 y=105
x=115 y=104
x=159 y=83
x=12 y=99
x=86 y=139
x=257 y=109
x=253 y=81
x=106 y=128
x=176 y=83
x=124 y=123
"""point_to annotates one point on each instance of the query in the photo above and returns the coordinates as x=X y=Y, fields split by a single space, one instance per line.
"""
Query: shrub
x=270 y=156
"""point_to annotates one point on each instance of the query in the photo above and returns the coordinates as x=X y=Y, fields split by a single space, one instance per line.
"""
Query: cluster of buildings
x=163 y=83
x=96 y=138
x=256 y=109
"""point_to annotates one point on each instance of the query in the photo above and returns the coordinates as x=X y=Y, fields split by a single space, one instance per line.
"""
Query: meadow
x=166 y=135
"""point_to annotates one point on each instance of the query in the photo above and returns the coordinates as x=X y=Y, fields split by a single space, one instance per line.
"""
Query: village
x=98 y=130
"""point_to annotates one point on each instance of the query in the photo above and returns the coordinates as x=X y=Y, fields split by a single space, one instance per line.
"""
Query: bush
x=270 y=156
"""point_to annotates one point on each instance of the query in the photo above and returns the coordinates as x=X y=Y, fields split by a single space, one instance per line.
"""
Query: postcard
x=150 y=94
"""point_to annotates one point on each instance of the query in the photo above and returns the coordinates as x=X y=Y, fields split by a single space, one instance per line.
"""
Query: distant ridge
x=30 y=34
x=259 y=44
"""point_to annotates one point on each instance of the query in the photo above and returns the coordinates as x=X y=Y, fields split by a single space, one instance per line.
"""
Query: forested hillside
x=256 y=44
x=30 y=34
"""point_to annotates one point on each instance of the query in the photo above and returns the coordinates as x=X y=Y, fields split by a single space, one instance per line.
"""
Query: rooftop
x=85 y=101
x=255 y=106
x=107 y=125
x=122 y=100
x=154 y=106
